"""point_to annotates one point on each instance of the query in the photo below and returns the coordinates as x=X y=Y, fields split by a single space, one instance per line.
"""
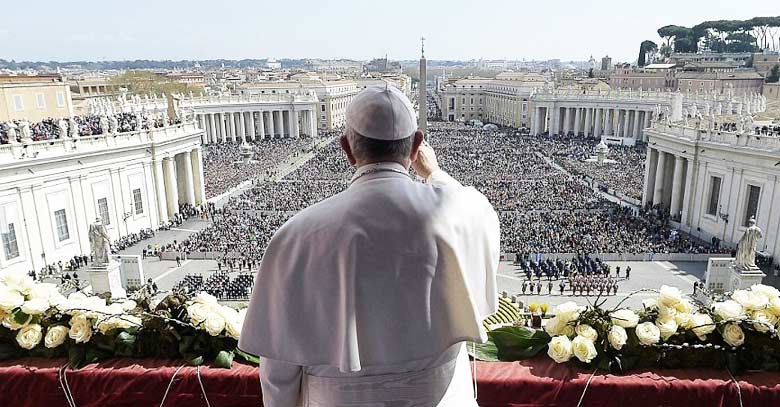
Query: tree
x=645 y=47
x=142 y=82
x=774 y=75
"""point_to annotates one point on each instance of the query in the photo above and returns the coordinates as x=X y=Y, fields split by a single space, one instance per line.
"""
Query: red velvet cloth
x=531 y=383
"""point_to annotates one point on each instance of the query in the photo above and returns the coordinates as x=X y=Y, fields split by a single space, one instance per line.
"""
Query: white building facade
x=51 y=191
x=713 y=181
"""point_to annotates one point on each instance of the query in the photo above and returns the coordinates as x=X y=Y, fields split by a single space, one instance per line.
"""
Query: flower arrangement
x=37 y=320
x=738 y=333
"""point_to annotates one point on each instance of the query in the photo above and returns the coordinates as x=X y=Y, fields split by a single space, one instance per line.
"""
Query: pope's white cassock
x=366 y=298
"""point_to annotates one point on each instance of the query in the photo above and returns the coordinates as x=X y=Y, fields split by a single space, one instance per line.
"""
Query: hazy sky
x=456 y=29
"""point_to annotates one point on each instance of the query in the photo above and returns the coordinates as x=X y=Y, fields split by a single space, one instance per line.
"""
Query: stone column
x=294 y=129
x=189 y=179
x=261 y=122
x=252 y=134
x=222 y=127
x=658 y=191
x=289 y=123
x=651 y=163
x=635 y=133
x=597 y=130
x=212 y=128
x=577 y=121
x=555 y=127
x=241 y=127
x=610 y=131
x=313 y=122
x=232 y=124
x=196 y=156
x=171 y=188
x=159 y=181
x=626 y=123
x=271 y=127
x=677 y=185
x=588 y=120
x=647 y=124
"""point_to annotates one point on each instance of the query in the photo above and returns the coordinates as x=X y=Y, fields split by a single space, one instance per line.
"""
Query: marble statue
x=707 y=109
x=25 y=131
x=73 y=127
x=113 y=124
x=694 y=110
x=62 y=126
x=11 y=131
x=103 y=124
x=99 y=243
x=746 y=249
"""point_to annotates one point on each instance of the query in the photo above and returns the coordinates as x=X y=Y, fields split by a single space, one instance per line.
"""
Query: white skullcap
x=382 y=113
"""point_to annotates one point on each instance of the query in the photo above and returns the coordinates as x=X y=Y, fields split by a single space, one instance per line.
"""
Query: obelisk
x=422 y=99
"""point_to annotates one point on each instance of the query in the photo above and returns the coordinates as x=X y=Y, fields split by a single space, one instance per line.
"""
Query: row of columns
x=665 y=185
x=243 y=126
x=183 y=169
x=599 y=122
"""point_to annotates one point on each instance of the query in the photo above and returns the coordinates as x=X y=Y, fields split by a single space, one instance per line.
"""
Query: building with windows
x=34 y=98
x=714 y=181
x=51 y=191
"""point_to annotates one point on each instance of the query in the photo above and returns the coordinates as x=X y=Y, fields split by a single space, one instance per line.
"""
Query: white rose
x=80 y=329
x=625 y=318
x=559 y=349
x=669 y=296
x=35 y=306
x=763 y=320
x=206 y=299
x=233 y=327
x=20 y=282
x=774 y=306
x=587 y=331
x=667 y=327
x=10 y=298
x=583 y=349
x=10 y=323
x=649 y=303
x=214 y=324
x=767 y=291
x=617 y=336
x=198 y=313
x=118 y=322
x=684 y=307
x=733 y=335
x=750 y=300
x=227 y=312
x=43 y=291
x=702 y=325
x=55 y=336
x=129 y=305
x=683 y=320
x=648 y=333
x=29 y=336
x=666 y=312
x=568 y=311
x=728 y=310
x=555 y=326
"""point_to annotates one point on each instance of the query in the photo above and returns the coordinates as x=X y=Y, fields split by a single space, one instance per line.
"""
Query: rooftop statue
x=99 y=243
x=746 y=249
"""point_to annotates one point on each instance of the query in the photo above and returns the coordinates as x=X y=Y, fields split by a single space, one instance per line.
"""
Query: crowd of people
x=225 y=168
x=219 y=284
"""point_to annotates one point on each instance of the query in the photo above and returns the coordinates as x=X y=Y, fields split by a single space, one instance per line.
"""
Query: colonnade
x=592 y=121
x=178 y=179
x=240 y=126
x=665 y=181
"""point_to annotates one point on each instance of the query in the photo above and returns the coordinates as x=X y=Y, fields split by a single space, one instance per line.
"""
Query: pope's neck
x=405 y=163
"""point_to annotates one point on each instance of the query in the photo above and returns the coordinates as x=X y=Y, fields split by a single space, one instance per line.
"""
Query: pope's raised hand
x=426 y=162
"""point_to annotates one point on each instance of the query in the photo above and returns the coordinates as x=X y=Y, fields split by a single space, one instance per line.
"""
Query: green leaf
x=8 y=351
x=483 y=351
x=76 y=356
x=248 y=357
x=517 y=343
x=224 y=359
x=185 y=344
x=193 y=359
x=20 y=317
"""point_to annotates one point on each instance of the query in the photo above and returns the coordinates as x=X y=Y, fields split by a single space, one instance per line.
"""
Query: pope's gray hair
x=368 y=149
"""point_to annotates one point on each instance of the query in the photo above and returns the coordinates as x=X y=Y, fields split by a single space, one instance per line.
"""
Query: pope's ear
x=418 y=139
x=347 y=149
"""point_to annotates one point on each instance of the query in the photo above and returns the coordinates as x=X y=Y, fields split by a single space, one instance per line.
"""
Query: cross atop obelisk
x=422 y=96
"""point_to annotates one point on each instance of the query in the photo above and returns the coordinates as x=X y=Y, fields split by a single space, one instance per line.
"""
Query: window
x=18 y=103
x=322 y=108
x=60 y=99
x=138 y=202
x=40 y=100
x=10 y=246
x=62 y=225
x=712 y=208
x=102 y=205
x=751 y=210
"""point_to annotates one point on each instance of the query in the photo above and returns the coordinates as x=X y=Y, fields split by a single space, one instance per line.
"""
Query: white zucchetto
x=382 y=113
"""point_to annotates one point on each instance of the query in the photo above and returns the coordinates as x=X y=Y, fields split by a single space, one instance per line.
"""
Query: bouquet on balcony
x=37 y=320
x=669 y=331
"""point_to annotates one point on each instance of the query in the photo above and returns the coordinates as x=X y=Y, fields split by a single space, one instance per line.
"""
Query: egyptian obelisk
x=422 y=99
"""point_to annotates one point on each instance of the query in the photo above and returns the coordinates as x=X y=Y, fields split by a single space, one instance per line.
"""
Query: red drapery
x=531 y=383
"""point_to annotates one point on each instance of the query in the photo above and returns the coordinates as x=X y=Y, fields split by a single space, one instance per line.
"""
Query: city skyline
x=89 y=30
